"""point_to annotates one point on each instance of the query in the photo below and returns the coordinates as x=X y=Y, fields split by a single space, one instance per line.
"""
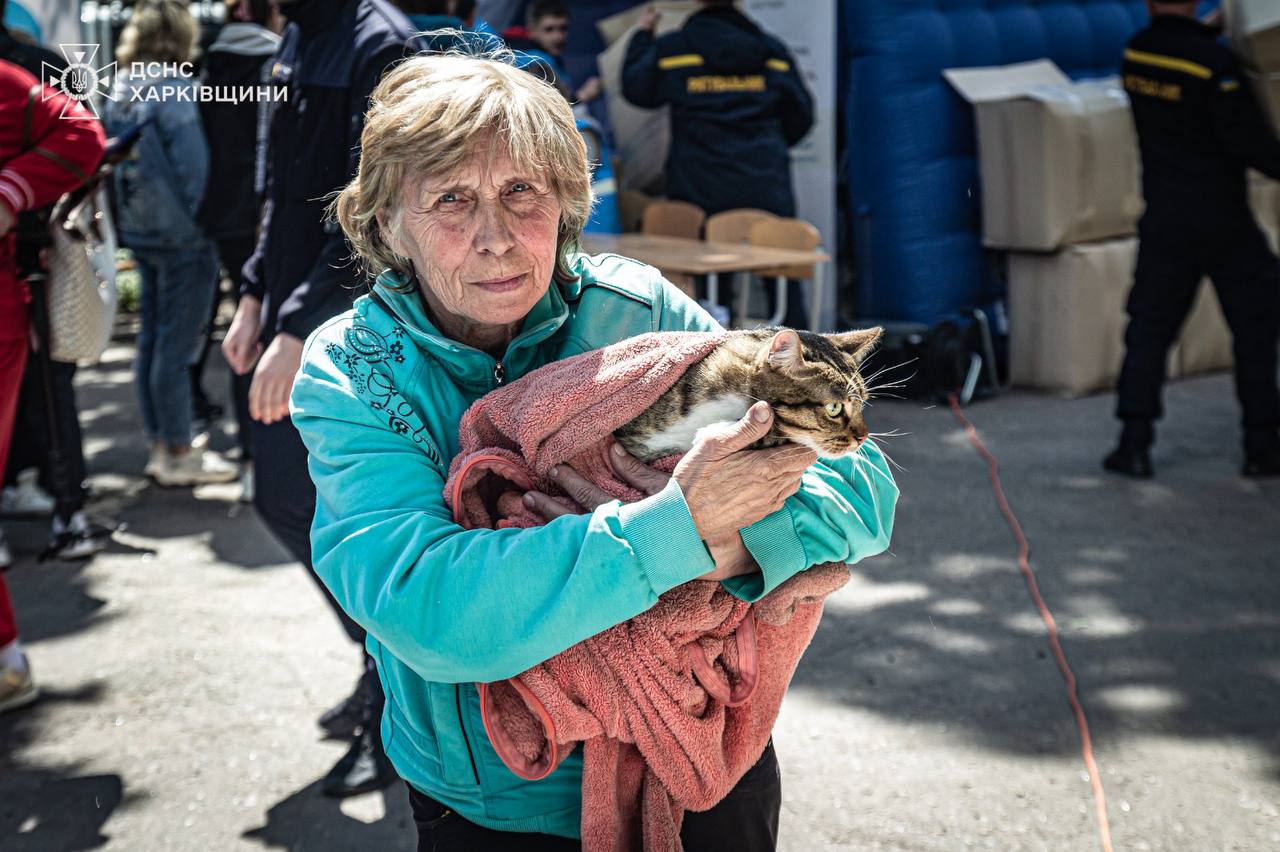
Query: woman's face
x=483 y=240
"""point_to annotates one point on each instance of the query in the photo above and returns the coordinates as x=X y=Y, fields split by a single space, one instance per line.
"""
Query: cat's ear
x=858 y=344
x=784 y=349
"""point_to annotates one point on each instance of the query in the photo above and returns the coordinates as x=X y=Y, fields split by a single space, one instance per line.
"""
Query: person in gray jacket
x=158 y=191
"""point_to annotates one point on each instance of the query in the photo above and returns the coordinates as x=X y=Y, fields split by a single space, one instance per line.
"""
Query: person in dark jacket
x=232 y=204
x=332 y=54
x=738 y=103
x=1199 y=128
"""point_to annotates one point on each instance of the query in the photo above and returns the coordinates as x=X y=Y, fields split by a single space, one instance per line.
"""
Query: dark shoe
x=363 y=769
x=1130 y=461
x=341 y=721
x=1262 y=463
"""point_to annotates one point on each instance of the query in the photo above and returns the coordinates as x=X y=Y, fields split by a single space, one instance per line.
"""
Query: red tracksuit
x=48 y=145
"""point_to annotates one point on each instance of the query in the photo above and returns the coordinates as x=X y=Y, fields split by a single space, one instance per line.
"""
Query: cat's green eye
x=833 y=409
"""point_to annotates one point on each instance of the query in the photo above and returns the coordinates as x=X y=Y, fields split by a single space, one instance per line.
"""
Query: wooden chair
x=631 y=207
x=790 y=234
x=675 y=219
x=734 y=226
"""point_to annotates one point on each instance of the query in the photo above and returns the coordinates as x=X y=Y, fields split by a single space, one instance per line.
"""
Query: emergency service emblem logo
x=81 y=81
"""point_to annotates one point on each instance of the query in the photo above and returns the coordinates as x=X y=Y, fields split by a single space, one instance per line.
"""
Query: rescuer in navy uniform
x=1199 y=128
x=332 y=55
x=738 y=103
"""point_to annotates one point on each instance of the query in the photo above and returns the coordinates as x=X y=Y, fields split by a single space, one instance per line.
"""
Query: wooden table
x=699 y=257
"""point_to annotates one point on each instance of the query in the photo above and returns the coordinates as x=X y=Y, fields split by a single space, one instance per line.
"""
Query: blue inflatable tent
x=913 y=177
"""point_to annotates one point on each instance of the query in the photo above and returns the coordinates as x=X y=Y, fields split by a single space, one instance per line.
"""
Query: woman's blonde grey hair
x=427 y=116
x=158 y=31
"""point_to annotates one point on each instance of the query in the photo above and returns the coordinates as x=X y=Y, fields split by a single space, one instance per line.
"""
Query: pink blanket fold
x=673 y=706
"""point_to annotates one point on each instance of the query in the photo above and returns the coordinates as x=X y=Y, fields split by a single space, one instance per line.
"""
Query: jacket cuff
x=775 y=545
x=662 y=534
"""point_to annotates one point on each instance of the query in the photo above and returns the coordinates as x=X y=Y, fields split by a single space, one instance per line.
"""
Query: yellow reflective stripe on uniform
x=777 y=65
x=684 y=60
x=1170 y=62
x=1229 y=85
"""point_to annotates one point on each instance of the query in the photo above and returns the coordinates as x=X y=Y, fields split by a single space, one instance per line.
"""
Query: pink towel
x=673 y=706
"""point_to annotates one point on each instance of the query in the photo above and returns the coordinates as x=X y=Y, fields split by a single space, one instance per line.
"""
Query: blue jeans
x=177 y=288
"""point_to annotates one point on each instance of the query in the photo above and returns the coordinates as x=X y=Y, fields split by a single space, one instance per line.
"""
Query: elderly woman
x=472 y=190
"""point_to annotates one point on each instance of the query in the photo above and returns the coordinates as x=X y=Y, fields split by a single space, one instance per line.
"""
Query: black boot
x=1133 y=456
x=341 y=720
x=363 y=769
x=1262 y=453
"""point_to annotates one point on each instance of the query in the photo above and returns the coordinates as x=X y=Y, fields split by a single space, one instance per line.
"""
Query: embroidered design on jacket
x=366 y=359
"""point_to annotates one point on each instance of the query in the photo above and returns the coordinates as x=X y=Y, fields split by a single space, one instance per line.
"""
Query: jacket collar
x=245 y=38
x=464 y=363
x=1182 y=23
x=313 y=15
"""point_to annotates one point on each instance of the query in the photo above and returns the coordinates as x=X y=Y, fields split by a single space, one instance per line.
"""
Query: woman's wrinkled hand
x=728 y=487
x=586 y=494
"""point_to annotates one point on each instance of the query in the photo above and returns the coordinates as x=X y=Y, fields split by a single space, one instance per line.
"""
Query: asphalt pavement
x=183 y=670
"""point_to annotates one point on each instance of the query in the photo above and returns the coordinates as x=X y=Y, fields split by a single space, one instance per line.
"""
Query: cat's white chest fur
x=678 y=437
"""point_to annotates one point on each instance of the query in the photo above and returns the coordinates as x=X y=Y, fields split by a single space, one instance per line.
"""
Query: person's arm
x=796 y=103
x=842 y=513
x=182 y=135
x=327 y=288
x=254 y=285
x=469 y=605
x=61 y=153
x=641 y=77
x=1240 y=125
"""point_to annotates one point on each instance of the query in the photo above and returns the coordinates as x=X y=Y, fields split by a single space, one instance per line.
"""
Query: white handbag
x=82 y=281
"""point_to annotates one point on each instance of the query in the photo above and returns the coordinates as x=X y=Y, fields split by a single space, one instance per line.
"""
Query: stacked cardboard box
x=1058 y=160
x=1067 y=317
x=1060 y=177
x=1061 y=190
x=1253 y=27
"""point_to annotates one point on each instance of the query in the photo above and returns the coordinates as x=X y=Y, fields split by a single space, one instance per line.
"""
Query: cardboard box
x=1266 y=88
x=1205 y=344
x=641 y=136
x=1059 y=160
x=1067 y=317
x=1253 y=27
x=1264 y=199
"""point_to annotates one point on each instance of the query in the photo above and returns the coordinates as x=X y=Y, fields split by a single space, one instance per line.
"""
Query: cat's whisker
x=869 y=379
x=894 y=384
x=886 y=455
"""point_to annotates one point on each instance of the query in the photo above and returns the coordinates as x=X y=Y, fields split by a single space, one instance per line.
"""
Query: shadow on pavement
x=1165 y=592
x=43 y=808
x=46 y=811
x=307 y=820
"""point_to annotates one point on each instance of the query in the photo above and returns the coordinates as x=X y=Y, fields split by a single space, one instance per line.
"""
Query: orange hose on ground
x=1024 y=564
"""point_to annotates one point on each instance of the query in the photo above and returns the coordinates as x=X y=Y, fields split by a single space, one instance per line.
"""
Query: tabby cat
x=811 y=381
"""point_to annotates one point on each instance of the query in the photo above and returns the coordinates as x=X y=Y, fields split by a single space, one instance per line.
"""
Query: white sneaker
x=17 y=688
x=246 y=483
x=79 y=539
x=27 y=498
x=196 y=467
x=155 y=461
x=6 y=556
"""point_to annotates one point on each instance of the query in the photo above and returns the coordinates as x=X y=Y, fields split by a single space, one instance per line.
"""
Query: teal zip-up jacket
x=378 y=400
